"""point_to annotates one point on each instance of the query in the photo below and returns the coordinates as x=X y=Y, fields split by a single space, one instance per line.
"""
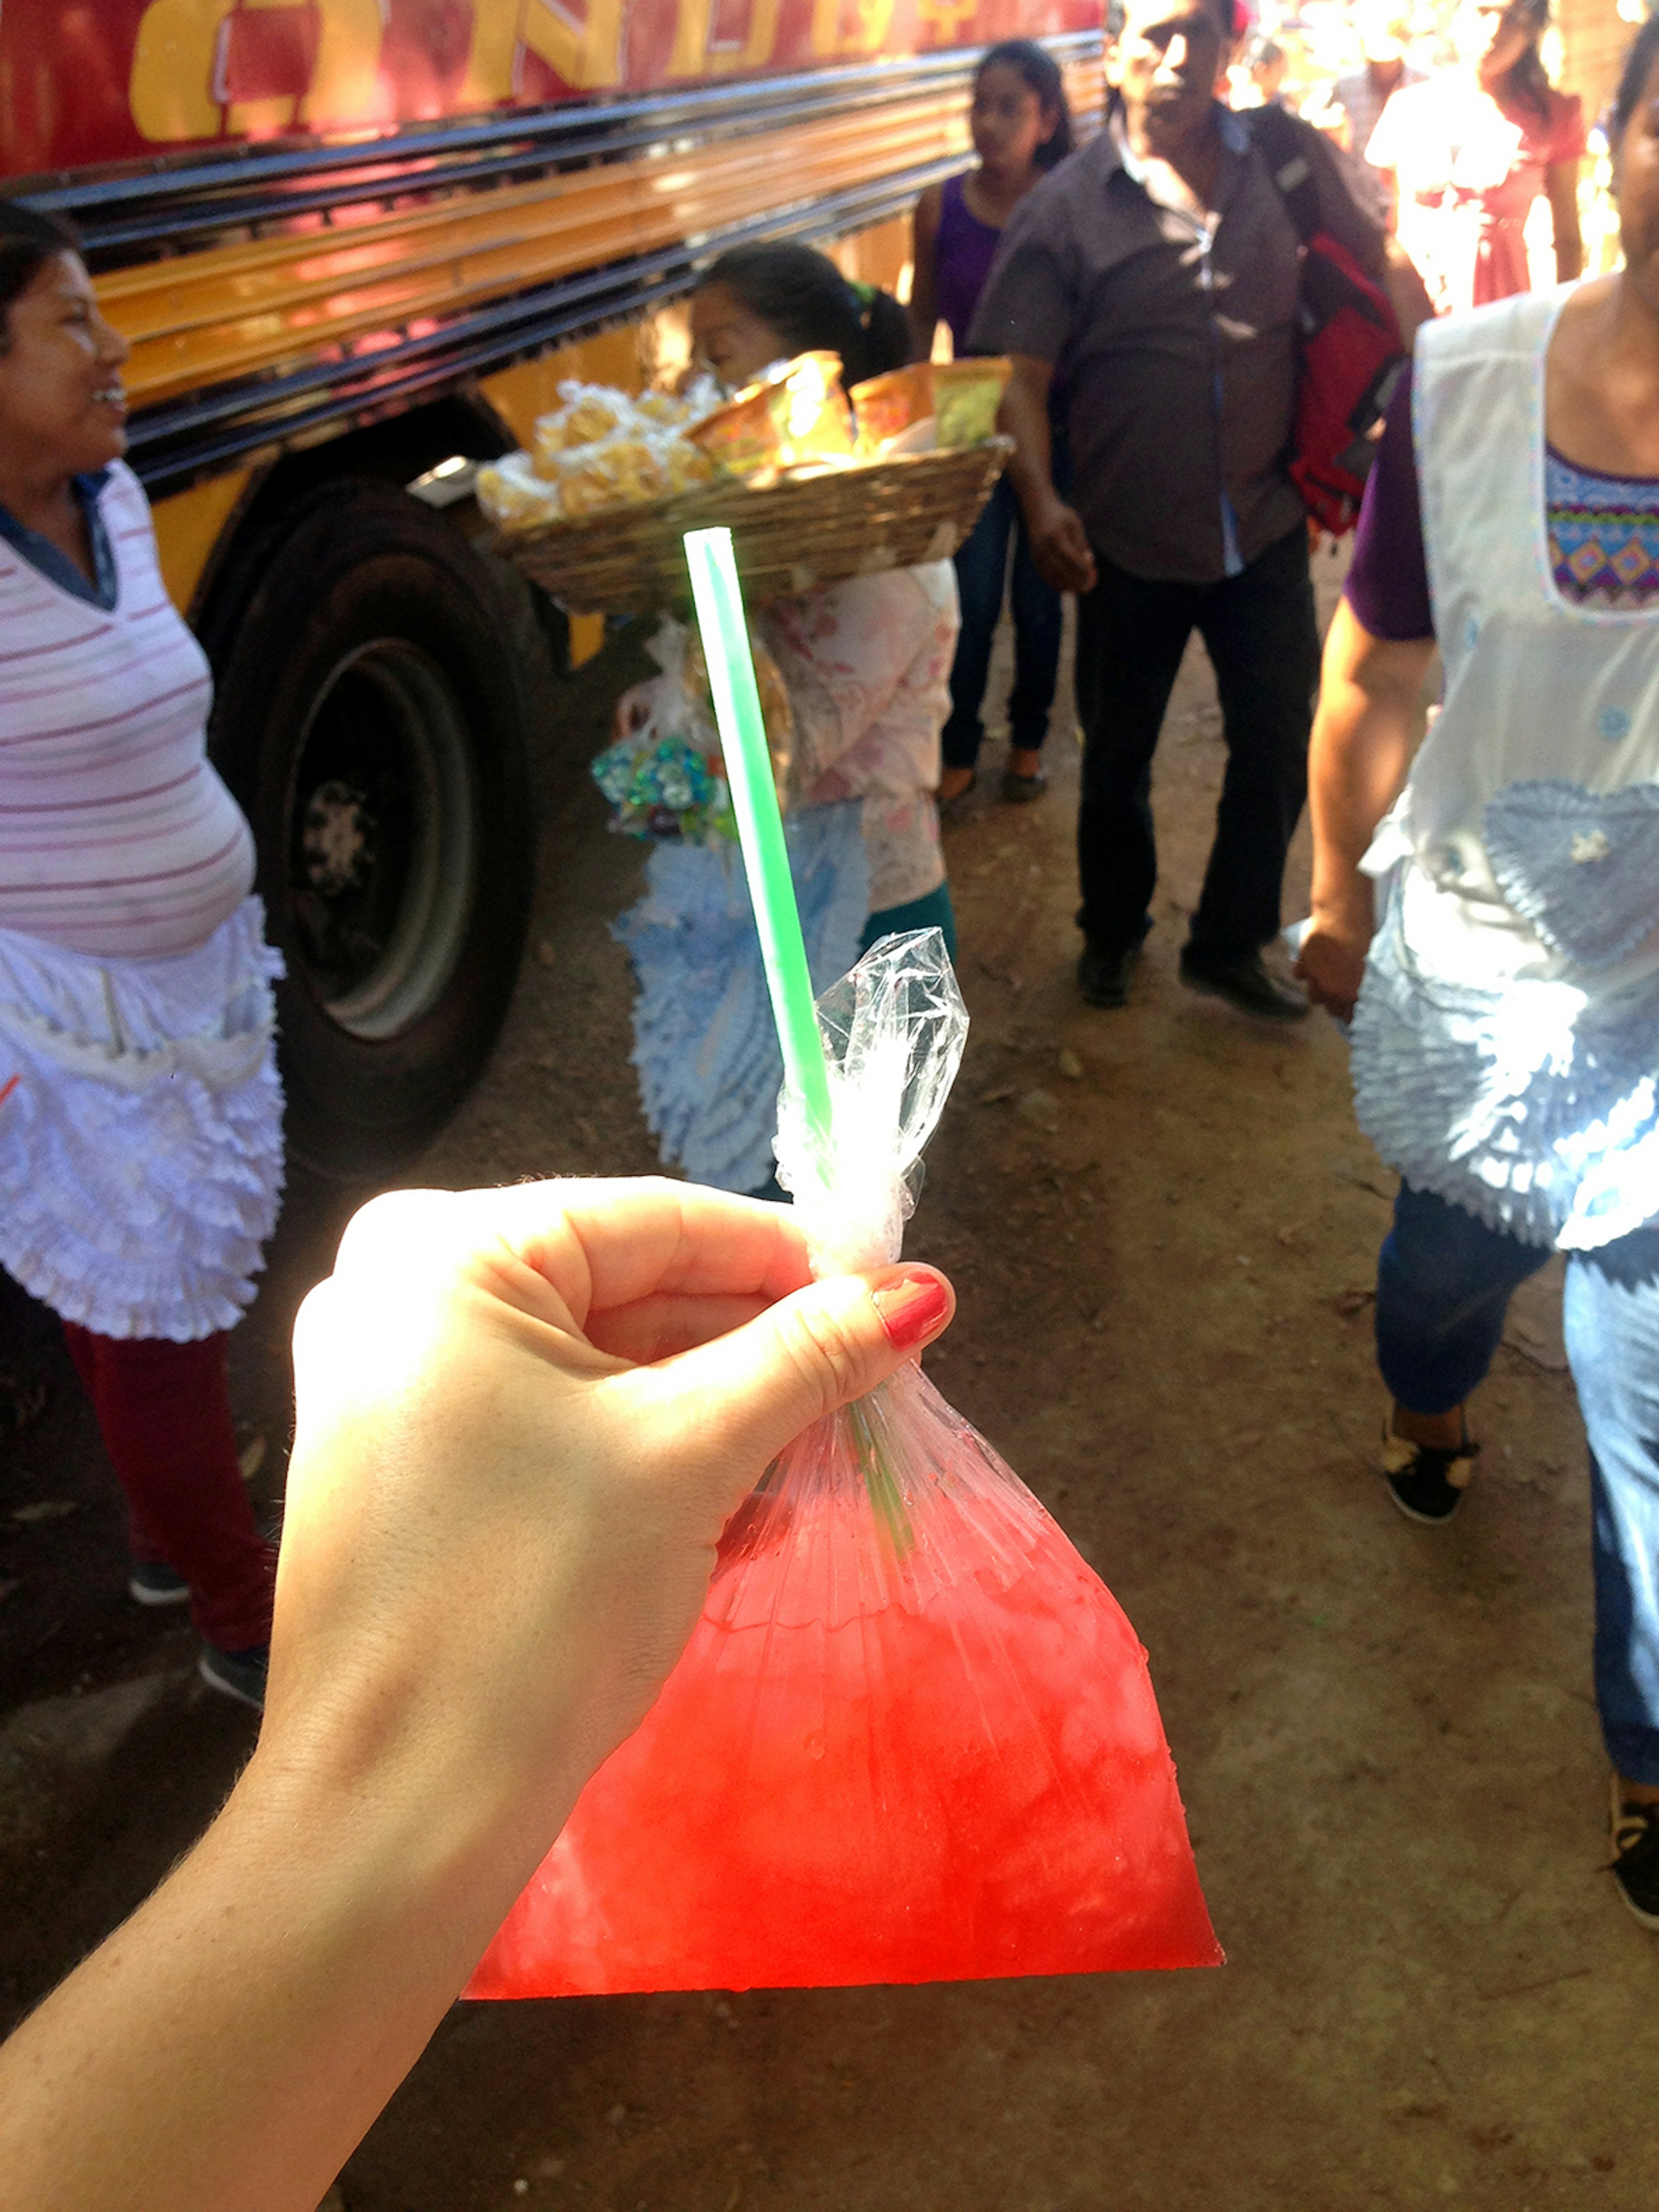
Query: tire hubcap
x=384 y=840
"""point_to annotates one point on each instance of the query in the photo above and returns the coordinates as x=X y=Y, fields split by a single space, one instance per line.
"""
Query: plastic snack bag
x=795 y=416
x=967 y=394
x=886 y=407
x=665 y=778
x=514 y=496
x=913 y=1738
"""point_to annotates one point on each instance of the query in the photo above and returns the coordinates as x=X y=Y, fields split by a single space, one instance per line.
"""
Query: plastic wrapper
x=665 y=779
x=599 y=450
x=913 y=1738
x=966 y=396
x=591 y=412
x=514 y=496
x=886 y=407
x=796 y=416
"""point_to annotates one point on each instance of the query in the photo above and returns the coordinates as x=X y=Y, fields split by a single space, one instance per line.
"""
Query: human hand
x=1332 y=963
x=633 y=708
x=1061 y=548
x=524 y=1417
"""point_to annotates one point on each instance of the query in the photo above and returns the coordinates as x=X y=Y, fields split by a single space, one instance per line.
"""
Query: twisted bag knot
x=893 y=1027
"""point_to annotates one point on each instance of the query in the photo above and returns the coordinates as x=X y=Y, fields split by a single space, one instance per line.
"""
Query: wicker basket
x=788 y=538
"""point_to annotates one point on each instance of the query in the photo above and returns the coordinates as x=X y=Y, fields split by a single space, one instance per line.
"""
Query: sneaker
x=239 y=1674
x=152 y=1582
x=1244 y=984
x=1426 y=1481
x=1104 y=973
x=1635 y=1864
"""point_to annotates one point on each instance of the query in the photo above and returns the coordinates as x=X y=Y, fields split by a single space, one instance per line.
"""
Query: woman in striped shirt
x=140 y=1111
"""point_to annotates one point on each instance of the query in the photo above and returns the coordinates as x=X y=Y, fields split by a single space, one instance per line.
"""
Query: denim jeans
x=1259 y=630
x=1443 y=1283
x=981 y=580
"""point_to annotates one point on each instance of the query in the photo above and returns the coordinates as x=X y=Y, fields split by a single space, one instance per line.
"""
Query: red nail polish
x=911 y=1310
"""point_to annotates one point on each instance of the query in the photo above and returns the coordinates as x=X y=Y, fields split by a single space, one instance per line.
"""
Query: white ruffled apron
x=141 y=1139
x=1506 y=1040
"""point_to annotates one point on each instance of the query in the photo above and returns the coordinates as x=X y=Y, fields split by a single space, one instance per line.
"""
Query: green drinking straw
x=719 y=598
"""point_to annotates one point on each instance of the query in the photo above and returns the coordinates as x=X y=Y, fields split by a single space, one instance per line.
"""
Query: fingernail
x=912 y=1307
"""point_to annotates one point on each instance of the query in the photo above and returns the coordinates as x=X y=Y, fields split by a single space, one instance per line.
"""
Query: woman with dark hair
x=865 y=665
x=140 y=1114
x=1022 y=128
x=1470 y=153
x=796 y=301
x=1485 y=905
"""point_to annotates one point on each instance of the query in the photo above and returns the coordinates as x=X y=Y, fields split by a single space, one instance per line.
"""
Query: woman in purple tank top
x=1021 y=127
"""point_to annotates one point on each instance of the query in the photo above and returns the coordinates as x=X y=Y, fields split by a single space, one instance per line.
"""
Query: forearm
x=1024 y=418
x=1364 y=736
x=227 y=2048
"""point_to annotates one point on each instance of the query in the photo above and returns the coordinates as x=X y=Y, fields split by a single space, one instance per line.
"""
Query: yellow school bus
x=355 y=245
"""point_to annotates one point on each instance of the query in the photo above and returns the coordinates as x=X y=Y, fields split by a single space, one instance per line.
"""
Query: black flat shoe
x=1245 y=984
x=1021 y=790
x=957 y=803
x=1104 y=973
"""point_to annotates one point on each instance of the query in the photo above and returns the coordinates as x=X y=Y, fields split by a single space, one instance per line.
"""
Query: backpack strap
x=1282 y=143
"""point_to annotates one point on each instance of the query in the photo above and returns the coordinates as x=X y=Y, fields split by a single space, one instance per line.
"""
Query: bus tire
x=377 y=689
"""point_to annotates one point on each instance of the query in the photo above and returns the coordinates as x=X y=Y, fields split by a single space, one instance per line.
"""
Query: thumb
x=759 y=1386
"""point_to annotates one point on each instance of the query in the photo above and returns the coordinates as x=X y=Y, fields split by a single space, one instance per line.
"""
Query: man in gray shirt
x=1154 y=277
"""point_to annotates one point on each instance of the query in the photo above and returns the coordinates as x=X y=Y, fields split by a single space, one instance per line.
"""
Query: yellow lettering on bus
x=693 y=56
x=171 y=89
x=344 y=84
x=948 y=19
x=492 y=57
x=867 y=34
x=874 y=18
x=585 y=51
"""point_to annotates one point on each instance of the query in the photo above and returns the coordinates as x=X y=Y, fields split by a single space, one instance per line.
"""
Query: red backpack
x=1350 y=353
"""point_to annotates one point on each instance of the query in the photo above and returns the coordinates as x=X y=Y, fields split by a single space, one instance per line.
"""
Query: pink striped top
x=117 y=838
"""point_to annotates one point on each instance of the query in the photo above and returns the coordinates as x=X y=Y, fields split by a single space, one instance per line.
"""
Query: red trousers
x=164 y=1413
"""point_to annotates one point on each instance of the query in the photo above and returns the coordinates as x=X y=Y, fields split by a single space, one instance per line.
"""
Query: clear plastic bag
x=666 y=777
x=913 y=1737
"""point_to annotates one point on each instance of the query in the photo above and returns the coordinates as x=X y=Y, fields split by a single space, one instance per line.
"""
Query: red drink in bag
x=913 y=1737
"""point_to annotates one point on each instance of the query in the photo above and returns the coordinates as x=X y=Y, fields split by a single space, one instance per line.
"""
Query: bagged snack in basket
x=913 y=1737
x=966 y=396
x=590 y=412
x=795 y=416
x=887 y=407
x=514 y=496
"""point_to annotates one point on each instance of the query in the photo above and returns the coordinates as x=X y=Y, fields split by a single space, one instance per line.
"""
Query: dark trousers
x=1258 y=629
x=982 y=582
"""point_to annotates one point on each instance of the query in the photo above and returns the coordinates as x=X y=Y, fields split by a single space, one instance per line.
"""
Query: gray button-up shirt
x=1172 y=330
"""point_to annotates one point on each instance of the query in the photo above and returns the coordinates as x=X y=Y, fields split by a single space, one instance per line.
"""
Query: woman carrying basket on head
x=140 y=1112
x=865 y=665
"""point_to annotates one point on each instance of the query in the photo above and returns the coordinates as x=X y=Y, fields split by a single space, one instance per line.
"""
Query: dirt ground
x=1162 y=1223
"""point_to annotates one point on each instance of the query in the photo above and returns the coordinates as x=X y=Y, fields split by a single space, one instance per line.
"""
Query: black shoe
x=1021 y=790
x=239 y=1675
x=953 y=808
x=1243 y=981
x=1426 y=1481
x=1635 y=1865
x=1104 y=973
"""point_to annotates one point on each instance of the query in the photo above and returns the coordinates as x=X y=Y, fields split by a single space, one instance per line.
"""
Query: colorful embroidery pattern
x=1604 y=536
